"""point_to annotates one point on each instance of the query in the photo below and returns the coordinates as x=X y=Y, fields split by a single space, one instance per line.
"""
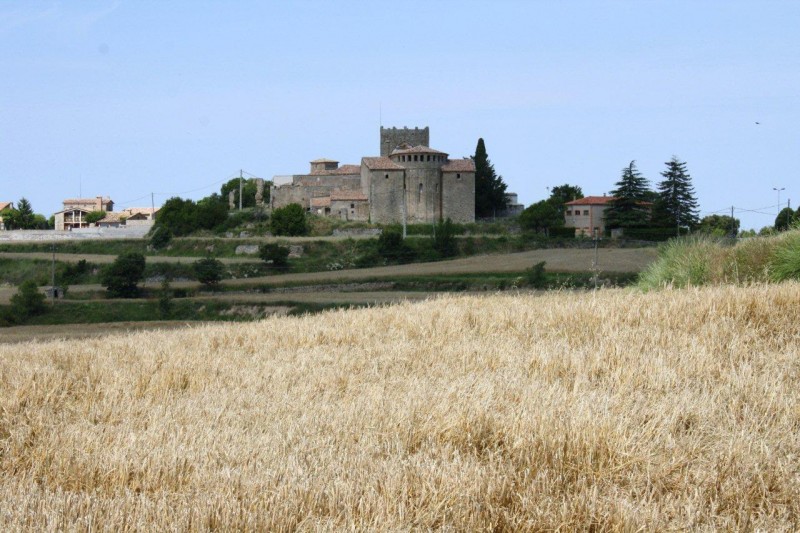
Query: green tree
x=719 y=226
x=120 y=277
x=160 y=236
x=28 y=301
x=490 y=190
x=392 y=247
x=785 y=219
x=561 y=194
x=675 y=205
x=289 y=220
x=95 y=216
x=25 y=215
x=249 y=189
x=165 y=305
x=10 y=218
x=444 y=238
x=541 y=216
x=274 y=254
x=208 y=271
x=629 y=209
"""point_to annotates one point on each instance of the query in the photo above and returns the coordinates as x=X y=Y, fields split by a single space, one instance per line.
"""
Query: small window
x=586 y=212
x=569 y=213
x=420 y=187
x=352 y=206
x=415 y=158
x=458 y=176
x=429 y=157
x=386 y=176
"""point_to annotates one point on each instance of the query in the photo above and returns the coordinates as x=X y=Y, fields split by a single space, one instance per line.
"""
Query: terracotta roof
x=380 y=163
x=6 y=205
x=348 y=195
x=459 y=165
x=73 y=209
x=348 y=169
x=321 y=201
x=113 y=216
x=323 y=160
x=591 y=200
x=85 y=200
x=140 y=210
x=417 y=150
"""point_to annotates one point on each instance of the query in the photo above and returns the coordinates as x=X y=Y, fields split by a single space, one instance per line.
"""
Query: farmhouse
x=408 y=181
x=587 y=215
x=73 y=215
x=3 y=207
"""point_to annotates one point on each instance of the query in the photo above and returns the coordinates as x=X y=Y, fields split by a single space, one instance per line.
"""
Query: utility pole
x=596 y=261
x=152 y=207
x=240 y=188
x=404 y=206
x=53 y=276
x=733 y=225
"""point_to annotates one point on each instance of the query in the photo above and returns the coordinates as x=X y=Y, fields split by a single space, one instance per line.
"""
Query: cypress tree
x=628 y=209
x=490 y=191
x=676 y=205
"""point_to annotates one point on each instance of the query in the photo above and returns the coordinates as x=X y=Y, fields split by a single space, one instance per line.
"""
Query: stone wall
x=391 y=138
x=458 y=202
x=385 y=194
x=122 y=232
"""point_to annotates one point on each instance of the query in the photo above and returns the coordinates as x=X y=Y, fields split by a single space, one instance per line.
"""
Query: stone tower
x=391 y=138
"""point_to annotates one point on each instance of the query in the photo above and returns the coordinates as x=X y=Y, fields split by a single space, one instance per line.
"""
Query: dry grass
x=607 y=411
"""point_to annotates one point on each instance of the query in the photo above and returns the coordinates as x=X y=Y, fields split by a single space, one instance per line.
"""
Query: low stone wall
x=357 y=232
x=133 y=232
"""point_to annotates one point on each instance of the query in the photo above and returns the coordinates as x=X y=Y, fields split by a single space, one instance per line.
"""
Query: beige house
x=587 y=215
x=4 y=206
x=73 y=215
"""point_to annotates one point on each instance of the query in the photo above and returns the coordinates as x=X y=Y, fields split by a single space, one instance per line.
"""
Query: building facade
x=409 y=181
x=587 y=215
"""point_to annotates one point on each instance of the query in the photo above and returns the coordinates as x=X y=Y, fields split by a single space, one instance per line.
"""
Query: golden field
x=613 y=410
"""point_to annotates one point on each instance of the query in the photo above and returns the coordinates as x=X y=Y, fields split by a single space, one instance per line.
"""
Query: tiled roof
x=85 y=200
x=6 y=205
x=459 y=165
x=417 y=150
x=380 y=163
x=344 y=170
x=591 y=200
x=321 y=201
x=348 y=195
x=113 y=216
x=323 y=160
x=139 y=210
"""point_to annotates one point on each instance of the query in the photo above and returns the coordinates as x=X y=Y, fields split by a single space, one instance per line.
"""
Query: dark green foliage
x=160 y=236
x=95 y=216
x=628 y=209
x=274 y=254
x=249 y=189
x=392 y=247
x=182 y=217
x=536 y=276
x=719 y=226
x=490 y=190
x=75 y=273
x=541 y=216
x=444 y=239
x=289 y=221
x=561 y=194
x=165 y=305
x=27 y=302
x=208 y=271
x=785 y=219
x=675 y=205
x=23 y=217
x=120 y=277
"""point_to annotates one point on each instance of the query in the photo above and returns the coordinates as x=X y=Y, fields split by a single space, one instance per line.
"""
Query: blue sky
x=131 y=97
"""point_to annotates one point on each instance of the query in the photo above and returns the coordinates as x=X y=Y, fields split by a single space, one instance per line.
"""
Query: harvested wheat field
x=609 y=411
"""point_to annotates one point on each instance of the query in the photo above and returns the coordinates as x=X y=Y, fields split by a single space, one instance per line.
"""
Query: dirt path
x=101 y=259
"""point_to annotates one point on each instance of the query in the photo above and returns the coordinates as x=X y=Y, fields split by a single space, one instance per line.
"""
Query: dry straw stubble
x=613 y=410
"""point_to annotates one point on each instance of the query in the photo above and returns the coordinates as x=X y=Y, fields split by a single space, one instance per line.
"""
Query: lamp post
x=779 y=196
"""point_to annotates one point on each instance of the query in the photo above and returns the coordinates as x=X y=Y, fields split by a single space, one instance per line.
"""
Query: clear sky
x=126 y=98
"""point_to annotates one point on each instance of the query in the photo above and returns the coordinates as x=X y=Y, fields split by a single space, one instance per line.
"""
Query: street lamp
x=779 y=195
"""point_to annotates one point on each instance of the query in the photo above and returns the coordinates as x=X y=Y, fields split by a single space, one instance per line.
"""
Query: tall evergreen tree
x=25 y=214
x=490 y=191
x=676 y=205
x=629 y=208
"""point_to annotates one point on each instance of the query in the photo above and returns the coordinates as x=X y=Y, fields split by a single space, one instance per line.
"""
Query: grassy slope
x=612 y=410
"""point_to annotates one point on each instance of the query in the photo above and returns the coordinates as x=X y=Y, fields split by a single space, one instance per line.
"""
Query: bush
x=274 y=254
x=392 y=247
x=289 y=221
x=535 y=276
x=444 y=240
x=785 y=261
x=120 y=277
x=160 y=236
x=95 y=216
x=208 y=271
x=27 y=302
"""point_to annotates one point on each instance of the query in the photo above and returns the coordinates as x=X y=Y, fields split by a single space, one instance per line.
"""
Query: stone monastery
x=408 y=180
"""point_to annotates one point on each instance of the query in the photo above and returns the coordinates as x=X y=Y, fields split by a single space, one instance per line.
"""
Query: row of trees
x=23 y=217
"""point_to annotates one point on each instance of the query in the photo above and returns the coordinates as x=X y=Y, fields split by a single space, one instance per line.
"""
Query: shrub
x=27 y=302
x=274 y=254
x=785 y=261
x=535 y=276
x=160 y=236
x=392 y=247
x=120 y=277
x=444 y=239
x=208 y=271
x=289 y=221
x=95 y=216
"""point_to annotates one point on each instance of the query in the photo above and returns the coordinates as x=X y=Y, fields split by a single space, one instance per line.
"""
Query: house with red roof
x=587 y=215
